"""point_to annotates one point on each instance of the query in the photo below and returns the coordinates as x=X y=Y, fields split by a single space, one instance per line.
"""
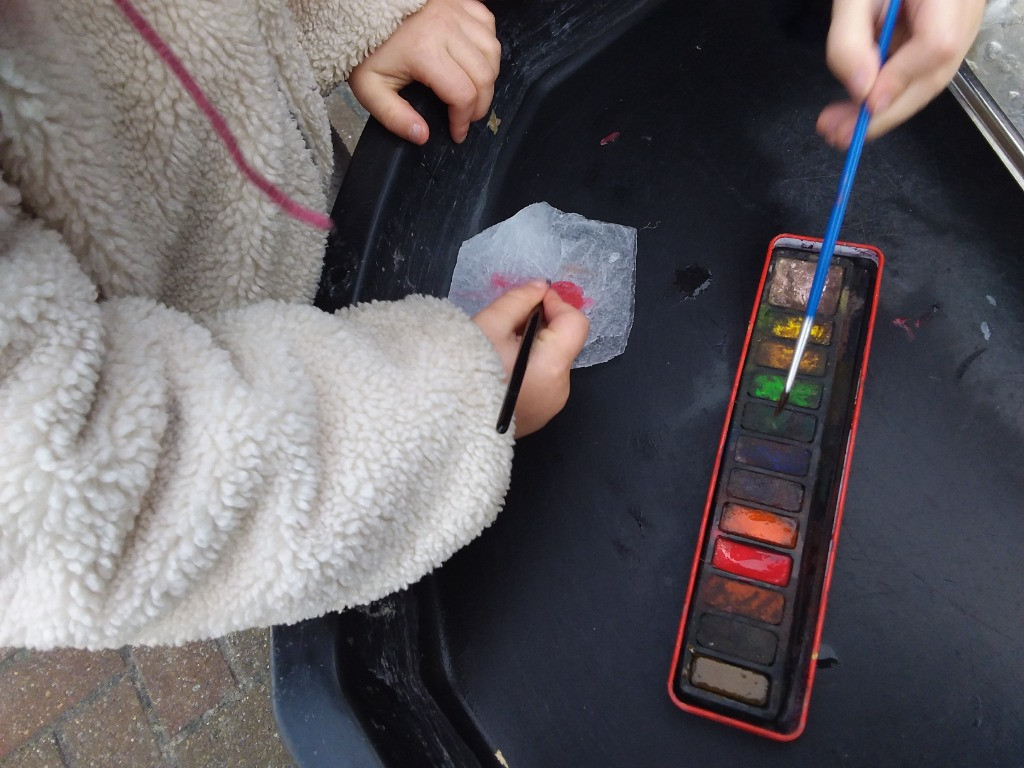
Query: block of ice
x=592 y=264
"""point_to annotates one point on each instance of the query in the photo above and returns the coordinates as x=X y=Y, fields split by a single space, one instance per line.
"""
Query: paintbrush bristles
x=783 y=399
x=798 y=353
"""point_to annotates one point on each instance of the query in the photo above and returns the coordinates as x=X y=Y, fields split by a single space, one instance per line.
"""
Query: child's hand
x=930 y=41
x=448 y=45
x=546 y=383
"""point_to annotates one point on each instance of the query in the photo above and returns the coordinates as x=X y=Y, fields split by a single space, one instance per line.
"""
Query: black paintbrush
x=515 y=381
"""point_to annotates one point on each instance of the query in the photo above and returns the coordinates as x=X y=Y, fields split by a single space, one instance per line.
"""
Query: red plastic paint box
x=748 y=640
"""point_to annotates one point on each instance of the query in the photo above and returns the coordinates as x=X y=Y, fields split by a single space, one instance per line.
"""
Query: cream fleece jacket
x=187 y=448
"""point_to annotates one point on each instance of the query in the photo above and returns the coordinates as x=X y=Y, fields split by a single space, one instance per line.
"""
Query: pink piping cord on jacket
x=294 y=209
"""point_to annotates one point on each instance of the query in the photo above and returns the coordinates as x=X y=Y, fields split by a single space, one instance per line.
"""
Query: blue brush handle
x=846 y=180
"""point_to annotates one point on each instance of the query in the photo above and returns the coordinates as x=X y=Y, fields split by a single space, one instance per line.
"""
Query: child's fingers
x=447 y=78
x=482 y=35
x=461 y=70
x=502 y=318
x=546 y=384
x=566 y=328
x=448 y=45
x=482 y=14
x=545 y=387
x=481 y=68
x=379 y=95
x=558 y=342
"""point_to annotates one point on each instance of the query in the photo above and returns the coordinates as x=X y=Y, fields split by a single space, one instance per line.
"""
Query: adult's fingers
x=851 y=49
x=837 y=121
x=927 y=47
x=910 y=101
x=923 y=64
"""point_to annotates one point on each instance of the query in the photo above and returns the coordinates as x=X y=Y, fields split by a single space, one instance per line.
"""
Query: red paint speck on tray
x=610 y=138
x=909 y=323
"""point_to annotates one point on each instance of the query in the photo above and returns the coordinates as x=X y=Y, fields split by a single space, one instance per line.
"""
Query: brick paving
x=203 y=705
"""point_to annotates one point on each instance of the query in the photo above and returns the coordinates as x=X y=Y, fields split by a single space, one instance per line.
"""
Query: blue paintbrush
x=835 y=220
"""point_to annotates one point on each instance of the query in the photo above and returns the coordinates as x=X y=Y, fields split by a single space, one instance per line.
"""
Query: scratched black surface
x=550 y=637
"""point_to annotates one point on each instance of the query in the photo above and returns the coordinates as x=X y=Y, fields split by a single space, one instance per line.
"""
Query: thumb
x=509 y=312
x=379 y=96
x=851 y=50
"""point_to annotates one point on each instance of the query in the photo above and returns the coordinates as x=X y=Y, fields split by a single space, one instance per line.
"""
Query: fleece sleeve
x=163 y=480
x=338 y=34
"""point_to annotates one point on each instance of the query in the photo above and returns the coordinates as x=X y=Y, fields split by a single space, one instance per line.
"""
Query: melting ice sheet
x=592 y=264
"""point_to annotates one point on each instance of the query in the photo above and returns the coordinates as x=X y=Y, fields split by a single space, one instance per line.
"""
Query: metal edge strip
x=990 y=119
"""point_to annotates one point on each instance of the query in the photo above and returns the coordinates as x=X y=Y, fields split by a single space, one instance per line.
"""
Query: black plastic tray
x=550 y=638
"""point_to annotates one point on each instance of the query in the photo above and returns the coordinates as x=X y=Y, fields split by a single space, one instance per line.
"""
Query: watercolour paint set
x=748 y=640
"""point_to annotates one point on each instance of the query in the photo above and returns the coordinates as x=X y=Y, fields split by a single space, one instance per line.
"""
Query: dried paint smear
x=769 y=386
x=790 y=424
x=791 y=286
x=779 y=355
x=759 y=524
x=773 y=491
x=737 y=638
x=769 y=454
x=729 y=680
x=786 y=326
x=744 y=599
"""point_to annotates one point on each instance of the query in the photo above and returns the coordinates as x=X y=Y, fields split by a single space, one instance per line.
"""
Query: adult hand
x=545 y=388
x=448 y=45
x=930 y=41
